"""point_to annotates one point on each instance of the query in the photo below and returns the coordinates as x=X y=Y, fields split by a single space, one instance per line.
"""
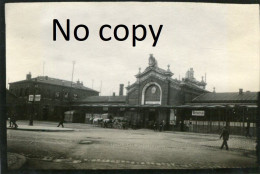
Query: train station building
x=181 y=103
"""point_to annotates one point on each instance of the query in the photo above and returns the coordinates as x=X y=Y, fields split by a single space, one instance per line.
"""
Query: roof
x=156 y=69
x=55 y=81
x=228 y=97
x=123 y=106
x=104 y=99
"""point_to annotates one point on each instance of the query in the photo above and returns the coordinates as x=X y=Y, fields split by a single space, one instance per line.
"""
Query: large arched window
x=152 y=94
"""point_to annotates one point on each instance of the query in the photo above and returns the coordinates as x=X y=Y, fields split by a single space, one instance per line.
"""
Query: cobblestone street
x=90 y=147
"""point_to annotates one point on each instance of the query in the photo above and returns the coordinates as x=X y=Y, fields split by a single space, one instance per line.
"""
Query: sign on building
x=152 y=102
x=37 y=98
x=198 y=113
x=31 y=97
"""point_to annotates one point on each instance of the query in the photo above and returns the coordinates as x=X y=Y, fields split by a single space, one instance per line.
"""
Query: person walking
x=61 y=121
x=163 y=125
x=13 y=121
x=10 y=120
x=225 y=136
x=155 y=126
x=248 y=129
x=160 y=126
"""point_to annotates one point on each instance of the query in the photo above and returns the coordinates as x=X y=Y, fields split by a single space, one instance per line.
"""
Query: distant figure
x=13 y=121
x=225 y=135
x=10 y=123
x=190 y=126
x=61 y=121
x=155 y=126
x=163 y=125
x=248 y=130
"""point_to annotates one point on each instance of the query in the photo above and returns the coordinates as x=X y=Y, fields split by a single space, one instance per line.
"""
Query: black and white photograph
x=131 y=85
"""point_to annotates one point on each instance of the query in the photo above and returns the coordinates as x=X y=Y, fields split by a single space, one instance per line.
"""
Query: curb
x=15 y=161
x=43 y=130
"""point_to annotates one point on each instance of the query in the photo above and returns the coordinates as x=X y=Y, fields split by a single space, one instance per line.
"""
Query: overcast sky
x=221 y=40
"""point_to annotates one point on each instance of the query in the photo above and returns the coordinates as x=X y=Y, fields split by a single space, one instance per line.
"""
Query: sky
x=221 y=40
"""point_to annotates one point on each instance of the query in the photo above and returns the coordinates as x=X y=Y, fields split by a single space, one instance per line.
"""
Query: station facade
x=151 y=98
x=155 y=93
x=184 y=104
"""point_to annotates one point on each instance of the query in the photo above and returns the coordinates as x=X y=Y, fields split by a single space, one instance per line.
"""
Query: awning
x=187 y=106
x=213 y=106
x=122 y=106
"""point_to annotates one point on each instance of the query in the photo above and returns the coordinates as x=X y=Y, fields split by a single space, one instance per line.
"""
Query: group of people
x=159 y=126
x=224 y=134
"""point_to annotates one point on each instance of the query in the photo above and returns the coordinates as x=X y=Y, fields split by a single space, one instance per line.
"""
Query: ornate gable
x=153 y=68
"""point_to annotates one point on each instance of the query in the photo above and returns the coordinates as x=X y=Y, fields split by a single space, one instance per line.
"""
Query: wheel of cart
x=117 y=125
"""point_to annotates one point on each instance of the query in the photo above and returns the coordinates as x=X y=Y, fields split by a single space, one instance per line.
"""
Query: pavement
x=41 y=128
x=91 y=147
x=15 y=161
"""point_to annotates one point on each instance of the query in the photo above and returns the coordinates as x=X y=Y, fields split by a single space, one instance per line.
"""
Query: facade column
x=210 y=121
x=218 y=120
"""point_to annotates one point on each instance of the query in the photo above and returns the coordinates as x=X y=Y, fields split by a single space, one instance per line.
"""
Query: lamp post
x=70 y=95
x=33 y=103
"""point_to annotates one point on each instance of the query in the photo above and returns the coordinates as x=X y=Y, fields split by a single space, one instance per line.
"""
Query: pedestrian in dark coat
x=248 y=129
x=13 y=120
x=225 y=136
x=163 y=125
x=10 y=120
x=61 y=121
x=155 y=126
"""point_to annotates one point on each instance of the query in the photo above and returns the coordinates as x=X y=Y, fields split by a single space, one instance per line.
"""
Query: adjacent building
x=43 y=96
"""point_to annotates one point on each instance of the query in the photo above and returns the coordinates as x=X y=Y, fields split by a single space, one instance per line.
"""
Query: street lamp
x=35 y=86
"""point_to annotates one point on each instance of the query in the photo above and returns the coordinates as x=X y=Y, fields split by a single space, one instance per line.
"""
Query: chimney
x=121 y=90
x=240 y=91
x=29 y=76
x=114 y=94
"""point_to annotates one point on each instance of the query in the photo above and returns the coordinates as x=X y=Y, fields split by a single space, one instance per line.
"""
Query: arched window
x=152 y=94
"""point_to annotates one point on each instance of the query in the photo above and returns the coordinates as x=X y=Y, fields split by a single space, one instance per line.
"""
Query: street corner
x=41 y=128
x=15 y=161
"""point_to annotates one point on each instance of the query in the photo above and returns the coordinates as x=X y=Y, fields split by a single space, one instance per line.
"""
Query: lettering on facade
x=198 y=113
